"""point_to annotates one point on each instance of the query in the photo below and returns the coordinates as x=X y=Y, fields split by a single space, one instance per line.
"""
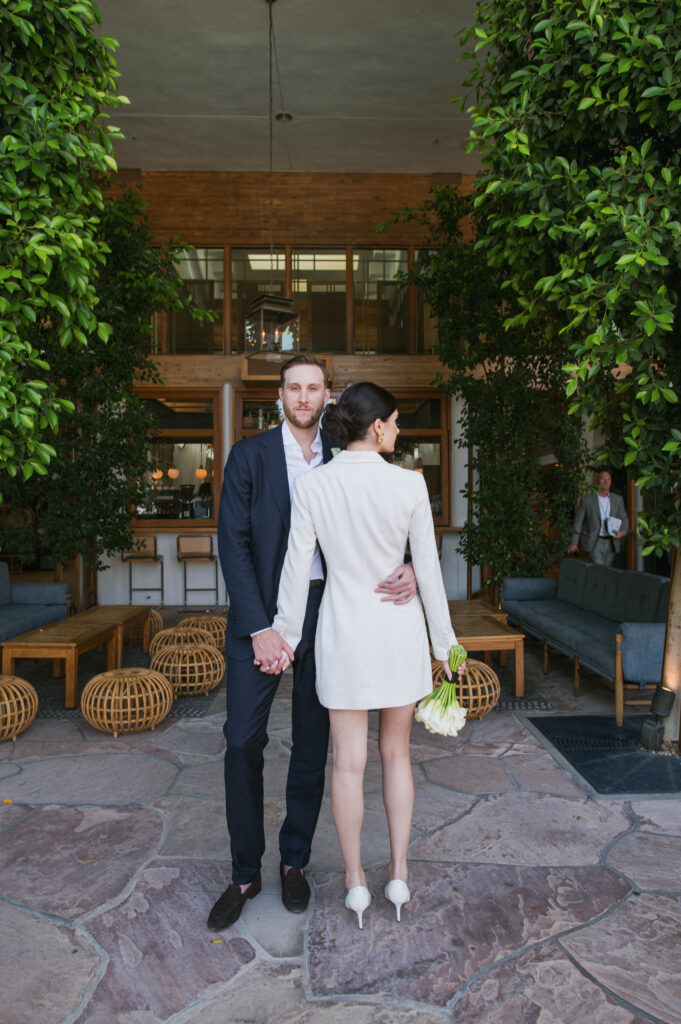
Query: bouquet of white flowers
x=440 y=711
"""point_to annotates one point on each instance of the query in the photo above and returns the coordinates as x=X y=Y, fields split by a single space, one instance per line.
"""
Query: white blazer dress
x=362 y=510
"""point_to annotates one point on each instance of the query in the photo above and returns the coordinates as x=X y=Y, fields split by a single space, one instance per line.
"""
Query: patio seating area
x=533 y=898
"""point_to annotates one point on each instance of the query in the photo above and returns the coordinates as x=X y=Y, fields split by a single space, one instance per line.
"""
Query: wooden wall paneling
x=217 y=208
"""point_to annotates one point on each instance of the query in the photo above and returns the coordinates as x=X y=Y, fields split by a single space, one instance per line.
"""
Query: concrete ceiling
x=368 y=83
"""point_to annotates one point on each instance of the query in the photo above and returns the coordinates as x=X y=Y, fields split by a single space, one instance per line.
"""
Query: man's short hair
x=305 y=360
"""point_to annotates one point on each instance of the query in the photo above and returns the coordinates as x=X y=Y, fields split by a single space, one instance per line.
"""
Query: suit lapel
x=274 y=459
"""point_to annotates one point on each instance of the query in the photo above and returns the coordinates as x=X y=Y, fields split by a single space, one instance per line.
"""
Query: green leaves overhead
x=56 y=78
x=577 y=117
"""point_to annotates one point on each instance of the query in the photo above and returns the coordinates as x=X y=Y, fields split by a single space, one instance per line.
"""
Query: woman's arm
x=429 y=575
x=294 y=583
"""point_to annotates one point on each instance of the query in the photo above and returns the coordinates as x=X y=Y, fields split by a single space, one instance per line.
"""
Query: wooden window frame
x=145 y=526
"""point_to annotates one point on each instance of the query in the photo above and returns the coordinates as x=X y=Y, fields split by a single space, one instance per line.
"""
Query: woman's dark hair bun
x=337 y=424
x=358 y=407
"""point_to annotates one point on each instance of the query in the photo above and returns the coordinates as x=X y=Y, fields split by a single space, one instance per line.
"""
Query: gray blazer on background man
x=588 y=521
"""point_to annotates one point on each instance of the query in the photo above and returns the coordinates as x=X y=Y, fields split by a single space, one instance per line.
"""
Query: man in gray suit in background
x=592 y=522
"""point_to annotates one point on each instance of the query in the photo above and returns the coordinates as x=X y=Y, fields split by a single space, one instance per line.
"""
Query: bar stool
x=197 y=547
x=145 y=551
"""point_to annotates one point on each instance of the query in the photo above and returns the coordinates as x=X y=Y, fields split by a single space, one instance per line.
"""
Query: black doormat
x=51 y=691
x=608 y=757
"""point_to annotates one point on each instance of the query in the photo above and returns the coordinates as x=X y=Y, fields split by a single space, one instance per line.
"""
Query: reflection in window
x=381 y=305
x=255 y=272
x=182 y=457
x=179 y=488
x=203 y=273
x=319 y=291
x=424 y=453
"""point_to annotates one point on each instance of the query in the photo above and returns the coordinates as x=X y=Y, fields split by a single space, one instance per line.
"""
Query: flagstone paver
x=44 y=969
x=534 y=904
x=58 y=860
x=650 y=861
x=529 y=828
x=161 y=954
x=634 y=952
x=93 y=779
x=461 y=919
x=541 y=985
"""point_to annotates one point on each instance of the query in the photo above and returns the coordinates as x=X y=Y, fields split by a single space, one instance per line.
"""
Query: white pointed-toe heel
x=358 y=899
x=398 y=893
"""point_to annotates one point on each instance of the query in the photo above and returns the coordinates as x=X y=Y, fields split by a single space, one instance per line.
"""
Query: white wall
x=113 y=582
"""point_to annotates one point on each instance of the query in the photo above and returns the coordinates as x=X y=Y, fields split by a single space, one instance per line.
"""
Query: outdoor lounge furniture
x=144 y=551
x=197 y=547
x=611 y=621
x=25 y=606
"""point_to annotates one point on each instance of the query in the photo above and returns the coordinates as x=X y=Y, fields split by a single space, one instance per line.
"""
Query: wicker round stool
x=179 y=635
x=191 y=669
x=214 y=624
x=478 y=689
x=18 y=706
x=126 y=700
x=133 y=634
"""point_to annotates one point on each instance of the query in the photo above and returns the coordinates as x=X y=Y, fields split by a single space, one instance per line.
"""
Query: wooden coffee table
x=121 y=616
x=480 y=627
x=62 y=641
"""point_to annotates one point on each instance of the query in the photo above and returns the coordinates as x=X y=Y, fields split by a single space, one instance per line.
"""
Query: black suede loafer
x=295 y=890
x=228 y=908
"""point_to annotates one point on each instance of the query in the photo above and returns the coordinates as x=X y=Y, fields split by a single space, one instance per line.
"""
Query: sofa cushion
x=527 y=588
x=602 y=595
x=40 y=593
x=572 y=579
x=636 y=597
x=5 y=588
x=662 y=602
x=16 y=619
x=599 y=658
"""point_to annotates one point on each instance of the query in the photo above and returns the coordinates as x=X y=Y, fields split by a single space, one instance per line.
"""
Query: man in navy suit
x=252 y=538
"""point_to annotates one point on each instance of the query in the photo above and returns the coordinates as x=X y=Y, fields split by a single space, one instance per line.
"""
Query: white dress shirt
x=604 y=508
x=296 y=465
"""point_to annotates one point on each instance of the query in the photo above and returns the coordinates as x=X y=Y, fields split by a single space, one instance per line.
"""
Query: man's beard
x=303 y=418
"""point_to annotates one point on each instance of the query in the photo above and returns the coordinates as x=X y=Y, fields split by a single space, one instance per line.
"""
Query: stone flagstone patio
x=533 y=901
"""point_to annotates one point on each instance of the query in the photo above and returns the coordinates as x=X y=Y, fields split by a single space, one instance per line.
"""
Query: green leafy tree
x=577 y=118
x=56 y=77
x=96 y=477
x=514 y=409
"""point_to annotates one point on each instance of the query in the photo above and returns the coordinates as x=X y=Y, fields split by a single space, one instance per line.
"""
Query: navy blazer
x=253 y=528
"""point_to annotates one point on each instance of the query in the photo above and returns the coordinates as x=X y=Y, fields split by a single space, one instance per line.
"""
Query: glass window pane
x=426 y=327
x=255 y=272
x=429 y=450
x=419 y=413
x=203 y=272
x=181 y=478
x=319 y=291
x=381 y=306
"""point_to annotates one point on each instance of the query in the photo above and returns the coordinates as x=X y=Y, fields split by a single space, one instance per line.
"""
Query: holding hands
x=271 y=652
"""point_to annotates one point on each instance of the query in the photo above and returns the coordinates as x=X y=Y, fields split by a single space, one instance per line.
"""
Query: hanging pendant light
x=201 y=472
x=272 y=325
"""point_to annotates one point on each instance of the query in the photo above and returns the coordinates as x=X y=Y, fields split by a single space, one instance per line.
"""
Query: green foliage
x=514 y=411
x=578 y=122
x=95 y=479
x=55 y=79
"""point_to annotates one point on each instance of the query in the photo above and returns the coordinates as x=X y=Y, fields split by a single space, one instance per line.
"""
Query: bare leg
x=398 y=782
x=349 y=732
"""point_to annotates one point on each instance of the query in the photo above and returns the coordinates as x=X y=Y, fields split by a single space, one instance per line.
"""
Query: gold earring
x=380 y=438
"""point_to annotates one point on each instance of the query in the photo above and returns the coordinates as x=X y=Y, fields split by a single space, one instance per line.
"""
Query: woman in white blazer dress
x=369 y=653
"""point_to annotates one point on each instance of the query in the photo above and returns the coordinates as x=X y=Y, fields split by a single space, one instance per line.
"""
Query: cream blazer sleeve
x=429 y=575
x=294 y=583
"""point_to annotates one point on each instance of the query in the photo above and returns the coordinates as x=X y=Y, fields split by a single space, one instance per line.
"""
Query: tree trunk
x=671 y=668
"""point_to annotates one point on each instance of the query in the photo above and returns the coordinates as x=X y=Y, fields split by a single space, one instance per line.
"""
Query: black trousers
x=250 y=693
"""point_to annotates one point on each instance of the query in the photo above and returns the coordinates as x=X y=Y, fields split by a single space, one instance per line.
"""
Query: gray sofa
x=24 y=606
x=610 y=621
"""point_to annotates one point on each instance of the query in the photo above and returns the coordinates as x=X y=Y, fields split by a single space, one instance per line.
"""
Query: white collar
x=291 y=442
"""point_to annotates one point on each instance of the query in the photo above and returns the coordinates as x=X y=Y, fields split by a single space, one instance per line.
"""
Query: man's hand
x=271 y=652
x=400 y=587
x=572 y=549
x=619 y=534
